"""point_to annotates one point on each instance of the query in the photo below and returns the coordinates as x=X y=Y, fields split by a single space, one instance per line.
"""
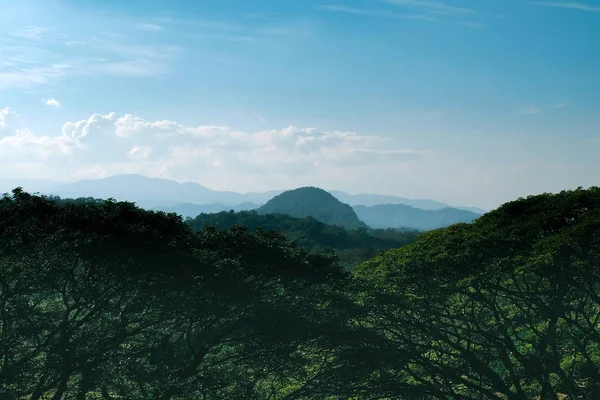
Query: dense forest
x=350 y=246
x=104 y=300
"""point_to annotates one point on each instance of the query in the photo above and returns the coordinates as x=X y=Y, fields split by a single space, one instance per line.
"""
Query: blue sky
x=469 y=102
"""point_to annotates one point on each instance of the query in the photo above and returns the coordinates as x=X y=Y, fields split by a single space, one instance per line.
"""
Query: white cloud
x=140 y=152
x=19 y=144
x=76 y=131
x=148 y=27
x=214 y=155
x=8 y=118
x=228 y=159
x=52 y=102
x=569 y=5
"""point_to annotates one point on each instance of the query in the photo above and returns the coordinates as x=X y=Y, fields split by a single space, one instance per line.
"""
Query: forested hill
x=313 y=202
x=351 y=246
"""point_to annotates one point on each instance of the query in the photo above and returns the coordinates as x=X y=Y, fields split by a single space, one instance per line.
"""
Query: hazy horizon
x=47 y=187
x=463 y=102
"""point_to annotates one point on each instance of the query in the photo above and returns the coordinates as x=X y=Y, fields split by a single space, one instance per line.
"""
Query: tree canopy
x=352 y=247
x=507 y=307
x=104 y=300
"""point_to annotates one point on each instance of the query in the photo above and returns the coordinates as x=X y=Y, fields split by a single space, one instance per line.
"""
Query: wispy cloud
x=534 y=109
x=259 y=117
x=372 y=12
x=25 y=64
x=73 y=43
x=28 y=76
x=569 y=5
x=132 y=50
x=52 y=102
x=530 y=110
x=277 y=31
x=201 y=23
x=30 y=32
x=148 y=27
x=127 y=68
x=423 y=10
x=261 y=15
x=345 y=9
x=431 y=6
x=217 y=36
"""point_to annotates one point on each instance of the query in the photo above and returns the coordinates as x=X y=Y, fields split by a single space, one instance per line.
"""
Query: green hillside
x=313 y=202
x=351 y=246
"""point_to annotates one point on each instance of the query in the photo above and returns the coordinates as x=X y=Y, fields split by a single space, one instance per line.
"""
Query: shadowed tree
x=107 y=299
x=507 y=307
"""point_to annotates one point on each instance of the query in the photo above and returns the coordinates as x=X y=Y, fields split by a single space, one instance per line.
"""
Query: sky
x=470 y=102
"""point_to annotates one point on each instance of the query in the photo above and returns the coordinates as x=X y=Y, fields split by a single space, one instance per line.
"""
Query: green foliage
x=507 y=307
x=352 y=247
x=103 y=300
x=313 y=202
x=106 y=299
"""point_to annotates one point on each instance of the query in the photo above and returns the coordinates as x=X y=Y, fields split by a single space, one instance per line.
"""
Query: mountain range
x=401 y=215
x=378 y=199
x=190 y=199
x=164 y=192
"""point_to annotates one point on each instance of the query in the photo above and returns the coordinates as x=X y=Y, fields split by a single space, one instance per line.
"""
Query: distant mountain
x=313 y=202
x=400 y=215
x=153 y=193
x=378 y=199
x=149 y=192
x=144 y=191
x=192 y=210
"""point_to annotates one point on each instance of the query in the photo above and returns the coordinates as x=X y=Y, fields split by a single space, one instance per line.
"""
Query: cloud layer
x=107 y=144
